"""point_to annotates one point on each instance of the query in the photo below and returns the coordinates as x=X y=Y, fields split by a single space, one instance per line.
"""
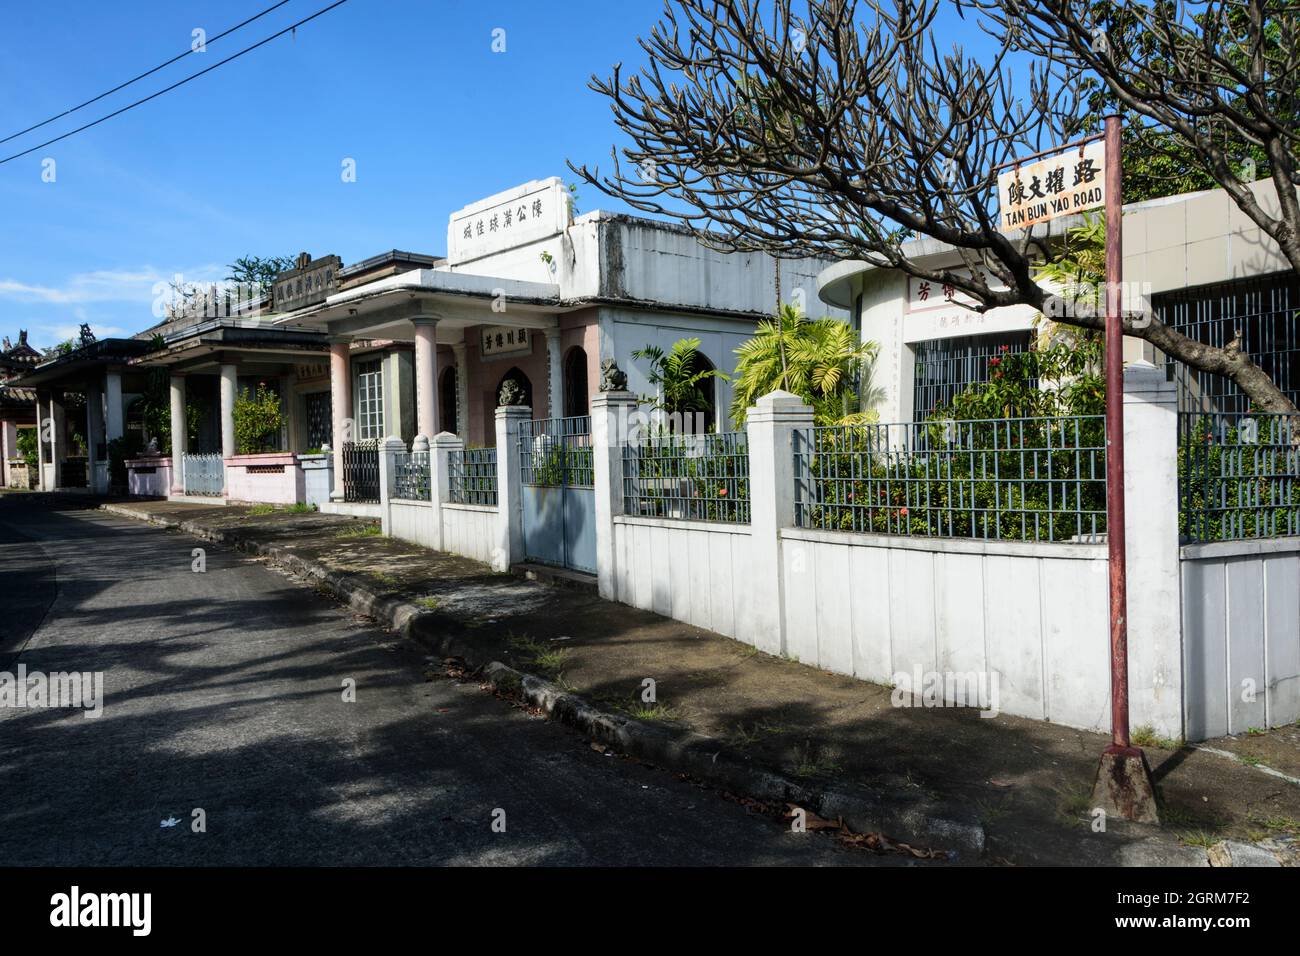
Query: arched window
x=447 y=394
x=522 y=380
x=575 y=383
x=708 y=388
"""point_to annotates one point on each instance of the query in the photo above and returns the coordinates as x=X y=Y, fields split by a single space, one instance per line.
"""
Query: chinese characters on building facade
x=946 y=306
x=516 y=217
x=503 y=340
x=505 y=218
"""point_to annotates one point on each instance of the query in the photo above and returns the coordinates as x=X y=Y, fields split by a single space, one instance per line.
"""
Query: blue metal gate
x=558 y=493
x=203 y=475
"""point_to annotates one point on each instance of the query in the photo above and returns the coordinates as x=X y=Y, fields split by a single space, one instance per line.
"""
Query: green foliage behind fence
x=1029 y=479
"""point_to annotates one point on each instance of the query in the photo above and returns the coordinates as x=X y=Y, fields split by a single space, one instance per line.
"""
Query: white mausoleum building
x=528 y=292
x=1195 y=259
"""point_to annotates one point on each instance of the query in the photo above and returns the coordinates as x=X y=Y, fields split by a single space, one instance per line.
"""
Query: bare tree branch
x=843 y=133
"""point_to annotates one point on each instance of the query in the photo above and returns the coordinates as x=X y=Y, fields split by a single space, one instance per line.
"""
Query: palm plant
x=820 y=360
x=1078 y=269
x=678 y=374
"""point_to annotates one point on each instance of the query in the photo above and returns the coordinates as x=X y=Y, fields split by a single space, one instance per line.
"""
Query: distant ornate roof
x=16 y=358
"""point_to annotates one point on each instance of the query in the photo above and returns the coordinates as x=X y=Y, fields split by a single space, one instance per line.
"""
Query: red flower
x=1004 y=348
x=902 y=512
x=995 y=362
x=722 y=492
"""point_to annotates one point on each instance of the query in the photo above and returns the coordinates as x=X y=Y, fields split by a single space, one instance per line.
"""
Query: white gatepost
x=770 y=426
x=389 y=448
x=509 y=547
x=1151 y=529
x=444 y=444
x=610 y=415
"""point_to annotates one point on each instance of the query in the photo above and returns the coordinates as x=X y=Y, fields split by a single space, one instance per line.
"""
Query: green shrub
x=257 y=421
x=27 y=447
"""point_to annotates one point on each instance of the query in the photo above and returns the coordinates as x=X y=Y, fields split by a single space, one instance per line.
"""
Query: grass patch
x=1280 y=824
x=1198 y=838
x=655 y=711
x=1250 y=760
x=758 y=731
x=1181 y=819
x=1145 y=736
x=815 y=763
x=990 y=812
x=301 y=508
x=389 y=581
x=360 y=531
x=543 y=657
x=429 y=603
x=261 y=510
x=1074 y=806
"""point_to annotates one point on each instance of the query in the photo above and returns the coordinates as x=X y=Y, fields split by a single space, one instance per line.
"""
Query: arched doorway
x=575 y=383
x=447 y=394
x=518 y=377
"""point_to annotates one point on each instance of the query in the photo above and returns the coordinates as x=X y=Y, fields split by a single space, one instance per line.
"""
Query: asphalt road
x=224 y=691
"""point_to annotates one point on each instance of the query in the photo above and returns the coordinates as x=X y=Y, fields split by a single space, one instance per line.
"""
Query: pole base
x=1123 y=786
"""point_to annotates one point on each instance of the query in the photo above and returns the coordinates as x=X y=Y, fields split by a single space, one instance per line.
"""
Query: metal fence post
x=1154 y=567
x=389 y=448
x=610 y=413
x=771 y=425
x=444 y=443
x=509 y=547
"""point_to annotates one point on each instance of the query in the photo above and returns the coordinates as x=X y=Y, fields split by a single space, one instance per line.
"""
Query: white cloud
x=106 y=285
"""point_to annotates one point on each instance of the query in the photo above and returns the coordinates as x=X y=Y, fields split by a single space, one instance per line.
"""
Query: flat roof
x=835 y=284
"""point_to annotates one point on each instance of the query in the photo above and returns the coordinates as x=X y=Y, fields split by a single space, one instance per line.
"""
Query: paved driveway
x=224 y=691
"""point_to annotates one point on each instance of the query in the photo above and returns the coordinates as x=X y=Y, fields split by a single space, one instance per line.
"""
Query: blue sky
x=410 y=89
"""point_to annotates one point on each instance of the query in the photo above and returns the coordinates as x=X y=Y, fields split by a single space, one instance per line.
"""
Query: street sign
x=1062 y=184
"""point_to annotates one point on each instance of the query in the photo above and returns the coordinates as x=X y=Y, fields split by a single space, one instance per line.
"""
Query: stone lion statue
x=512 y=393
x=612 y=378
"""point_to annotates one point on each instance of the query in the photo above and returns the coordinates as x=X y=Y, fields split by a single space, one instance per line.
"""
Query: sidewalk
x=1026 y=782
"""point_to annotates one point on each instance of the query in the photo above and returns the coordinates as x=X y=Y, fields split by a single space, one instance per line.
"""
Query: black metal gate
x=361 y=471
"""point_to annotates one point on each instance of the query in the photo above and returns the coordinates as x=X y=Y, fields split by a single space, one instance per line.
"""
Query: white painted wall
x=469 y=530
x=870 y=606
x=693 y=571
x=413 y=521
x=1241 y=631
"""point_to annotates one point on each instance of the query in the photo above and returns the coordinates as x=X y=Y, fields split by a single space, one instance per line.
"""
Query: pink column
x=341 y=405
x=426 y=376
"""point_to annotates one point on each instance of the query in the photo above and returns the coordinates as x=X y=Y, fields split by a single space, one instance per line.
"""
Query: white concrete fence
x=1214 y=629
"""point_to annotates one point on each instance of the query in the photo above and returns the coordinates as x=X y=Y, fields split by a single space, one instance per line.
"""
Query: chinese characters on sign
x=945 y=306
x=516 y=217
x=1069 y=182
x=502 y=340
x=502 y=219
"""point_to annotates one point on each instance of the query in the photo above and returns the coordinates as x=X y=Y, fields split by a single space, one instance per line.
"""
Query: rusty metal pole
x=1123 y=785
x=1115 y=438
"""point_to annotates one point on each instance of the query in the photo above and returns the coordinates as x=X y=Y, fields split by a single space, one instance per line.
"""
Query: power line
x=137 y=79
x=178 y=83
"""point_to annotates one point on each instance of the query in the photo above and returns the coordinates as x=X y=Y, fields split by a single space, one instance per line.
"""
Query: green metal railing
x=1238 y=476
x=689 y=477
x=1020 y=479
x=473 y=476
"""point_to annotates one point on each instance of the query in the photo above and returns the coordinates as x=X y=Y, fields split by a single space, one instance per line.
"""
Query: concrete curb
x=911 y=819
